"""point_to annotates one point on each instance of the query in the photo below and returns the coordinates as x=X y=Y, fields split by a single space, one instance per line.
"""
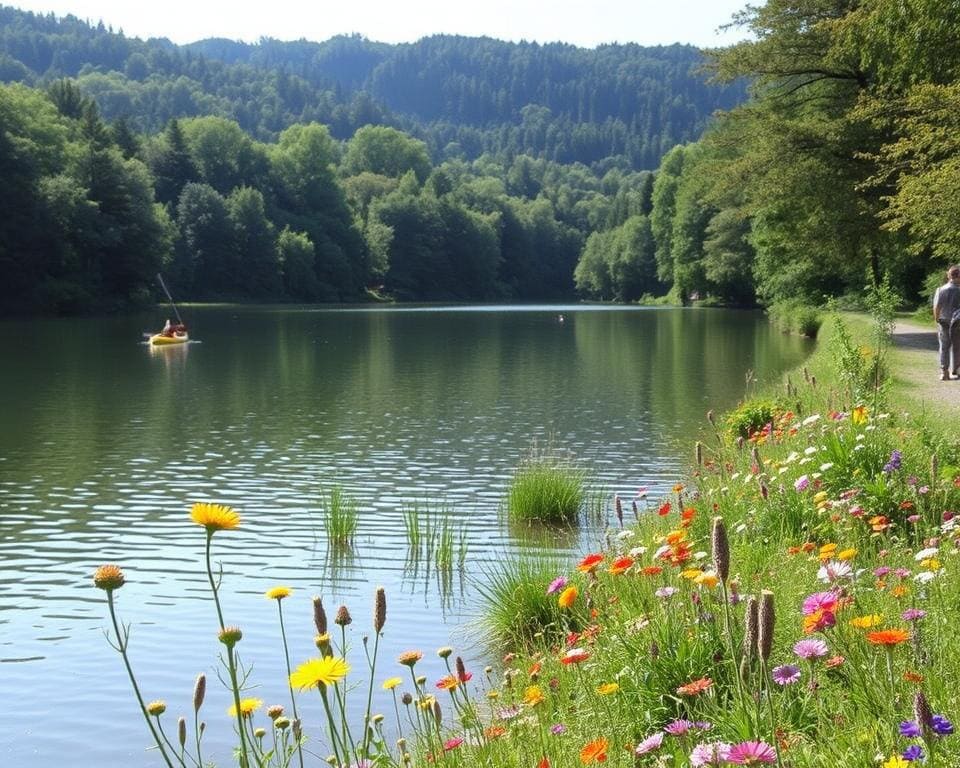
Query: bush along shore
x=793 y=603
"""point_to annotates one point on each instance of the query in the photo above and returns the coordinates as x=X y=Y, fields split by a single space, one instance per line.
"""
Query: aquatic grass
x=546 y=488
x=340 y=517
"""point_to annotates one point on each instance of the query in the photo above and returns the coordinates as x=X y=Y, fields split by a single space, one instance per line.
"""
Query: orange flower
x=808 y=546
x=533 y=696
x=912 y=677
x=544 y=762
x=664 y=509
x=888 y=637
x=688 y=514
x=447 y=683
x=695 y=687
x=568 y=597
x=675 y=537
x=534 y=669
x=590 y=562
x=494 y=731
x=594 y=752
x=621 y=565
x=574 y=656
x=900 y=590
x=651 y=570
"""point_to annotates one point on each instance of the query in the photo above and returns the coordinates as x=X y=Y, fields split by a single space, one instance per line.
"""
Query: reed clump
x=547 y=488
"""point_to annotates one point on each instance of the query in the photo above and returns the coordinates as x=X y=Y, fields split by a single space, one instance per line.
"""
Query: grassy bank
x=792 y=602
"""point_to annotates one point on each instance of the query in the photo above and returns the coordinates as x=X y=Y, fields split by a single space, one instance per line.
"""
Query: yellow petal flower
x=214 y=517
x=391 y=682
x=607 y=688
x=278 y=593
x=847 y=554
x=247 y=707
x=865 y=622
x=568 y=597
x=316 y=672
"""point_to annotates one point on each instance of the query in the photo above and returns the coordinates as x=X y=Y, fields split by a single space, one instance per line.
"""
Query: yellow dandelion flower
x=707 y=579
x=156 y=708
x=691 y=573
x=427 y=701
x=214 y=517
x=896 y=761
x=316 y=672
x=860 y=414
x=847 y=554
x=931 y=564
x=865 y=622
x=533 y=696
x=278 y=593
x=247 y=707
x=391 y=682
x=607 y=688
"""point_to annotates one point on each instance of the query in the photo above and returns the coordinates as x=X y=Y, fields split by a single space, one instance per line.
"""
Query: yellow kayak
x=177 y=338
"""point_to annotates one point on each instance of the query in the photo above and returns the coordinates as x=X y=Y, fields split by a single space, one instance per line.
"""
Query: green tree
x=387 y=152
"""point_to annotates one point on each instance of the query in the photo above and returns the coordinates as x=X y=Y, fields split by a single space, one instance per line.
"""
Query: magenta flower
x=820 y=601
x=716 y=753
x=882 y=571
x=912 y=614
x=649 y=744
x=801 y=484
x=810 y=649
x=557 y=584
x=751 y=753
x=786 y=674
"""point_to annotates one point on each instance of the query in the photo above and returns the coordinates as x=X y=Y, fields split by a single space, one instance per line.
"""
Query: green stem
x=213 y=586
x=773 y=719
x=330 y=724
x=366 y=716
x=122 y=649
x=286 y=656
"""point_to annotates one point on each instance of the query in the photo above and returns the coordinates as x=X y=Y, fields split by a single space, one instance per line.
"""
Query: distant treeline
x=616 y=105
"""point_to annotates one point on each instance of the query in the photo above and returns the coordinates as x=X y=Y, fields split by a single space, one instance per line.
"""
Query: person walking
x=946 y=314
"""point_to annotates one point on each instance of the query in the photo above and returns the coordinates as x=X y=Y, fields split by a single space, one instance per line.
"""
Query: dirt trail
x=915 y=365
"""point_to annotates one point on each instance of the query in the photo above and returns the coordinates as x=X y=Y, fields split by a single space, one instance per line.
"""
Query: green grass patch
x=340 y=517
x=547 y=488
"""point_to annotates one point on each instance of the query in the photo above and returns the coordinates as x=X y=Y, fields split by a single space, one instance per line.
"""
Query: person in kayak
x=170 y=330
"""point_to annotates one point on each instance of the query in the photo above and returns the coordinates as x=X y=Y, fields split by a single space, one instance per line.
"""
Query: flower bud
x=319 y=616
x=343 y=617
x=182 y=731
x=379 y=610
x=199 y=691
x=108 y=578
x=230 y=636
x=156 y=708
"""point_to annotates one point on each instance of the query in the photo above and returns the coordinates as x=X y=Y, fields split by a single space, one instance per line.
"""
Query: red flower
x=452 y=744
x=590 y=562
x=664 y=509
x=695 y=687
x=574 y=656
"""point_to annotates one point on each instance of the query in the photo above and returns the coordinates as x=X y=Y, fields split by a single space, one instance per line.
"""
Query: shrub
x=752 y=416
x=796 y=316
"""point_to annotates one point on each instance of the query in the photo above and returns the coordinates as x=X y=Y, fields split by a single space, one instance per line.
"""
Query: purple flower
x=912 y=614
x=508 y=713
x=557 y=584
x=801 y=484
x=810 y=649
x=679 y=727
x=894 y=463
x=709 y=754
x=557 y=729
x=666 y=592
x=910 y=729
x=913 y=752
x=649 y=744
x=882 y=571
x=941 y=726
x=786 y=674
x=903 y=573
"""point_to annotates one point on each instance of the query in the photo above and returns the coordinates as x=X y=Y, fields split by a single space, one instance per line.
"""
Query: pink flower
x=751 y=753
x=820 y=601
x=810 y=649
x=452 y=744
x=801 y=484
x=649 y=744
x=716 y=753
x=557 y=584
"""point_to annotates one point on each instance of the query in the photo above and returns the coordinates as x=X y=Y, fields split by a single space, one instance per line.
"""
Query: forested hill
x=615 y=105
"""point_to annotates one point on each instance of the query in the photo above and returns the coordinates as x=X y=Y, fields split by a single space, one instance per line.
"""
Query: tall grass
x=432 y=534
x=546 y=488
x=340 y=517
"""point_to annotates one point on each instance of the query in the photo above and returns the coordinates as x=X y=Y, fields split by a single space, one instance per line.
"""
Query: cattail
x=319 y=616
x=182 y=731
x=343 y=617
x=461 y=668
x=710 y=417
x=750 y=629
x=619 y=507
x=699 y=454
x=721 y=549
x=740 y=442
x=636 y=512
x=764 y=491
x=437 y=714
x=199 y=691
x=379 y=610
x=813 y=382
x=765 y=622
x=806 y=375
x=934 y=468
x=922 y=712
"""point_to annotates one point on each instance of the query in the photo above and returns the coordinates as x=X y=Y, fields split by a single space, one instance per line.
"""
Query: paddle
x=164 y=286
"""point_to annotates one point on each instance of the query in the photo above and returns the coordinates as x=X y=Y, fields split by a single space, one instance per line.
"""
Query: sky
x=585 y=23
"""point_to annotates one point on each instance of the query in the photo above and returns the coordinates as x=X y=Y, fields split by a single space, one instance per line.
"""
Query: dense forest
x=458 y=169
x=842 y=169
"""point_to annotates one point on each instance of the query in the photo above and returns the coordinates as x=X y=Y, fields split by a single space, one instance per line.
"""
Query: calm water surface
x=104 y=443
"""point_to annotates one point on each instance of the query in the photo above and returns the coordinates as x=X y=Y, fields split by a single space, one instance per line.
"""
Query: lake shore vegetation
x=790 y=602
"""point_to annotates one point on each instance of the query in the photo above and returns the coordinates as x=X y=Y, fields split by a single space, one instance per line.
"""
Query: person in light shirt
x=946 y=314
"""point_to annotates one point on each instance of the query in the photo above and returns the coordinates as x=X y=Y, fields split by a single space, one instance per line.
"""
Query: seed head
x=619 y=508
x=343 y=617
x=407 y=698
x=182 y=731
x=751 y=621
x=156 y=708
x=444 y=652
x=765 y=621
x=437 y=714
x=108 y=578
x=275 y=711
x=461 y=668
x=199 y=691
x=922 y=712
x=377 y=719
x=281 y=723
x=319 y=616
x=934 y=469
x=297 y=728
x=721 y=548
x=230 y=636
x=379 y=610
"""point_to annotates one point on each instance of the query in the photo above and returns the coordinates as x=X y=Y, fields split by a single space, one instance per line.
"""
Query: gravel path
x=915 y=365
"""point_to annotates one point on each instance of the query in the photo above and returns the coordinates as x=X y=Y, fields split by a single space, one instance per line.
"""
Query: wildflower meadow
x=792 y=602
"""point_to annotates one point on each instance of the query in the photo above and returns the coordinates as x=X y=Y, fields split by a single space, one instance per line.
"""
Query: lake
x=105 y=443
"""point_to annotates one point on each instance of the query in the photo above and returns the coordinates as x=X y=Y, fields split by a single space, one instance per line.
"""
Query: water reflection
x=104 y=446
